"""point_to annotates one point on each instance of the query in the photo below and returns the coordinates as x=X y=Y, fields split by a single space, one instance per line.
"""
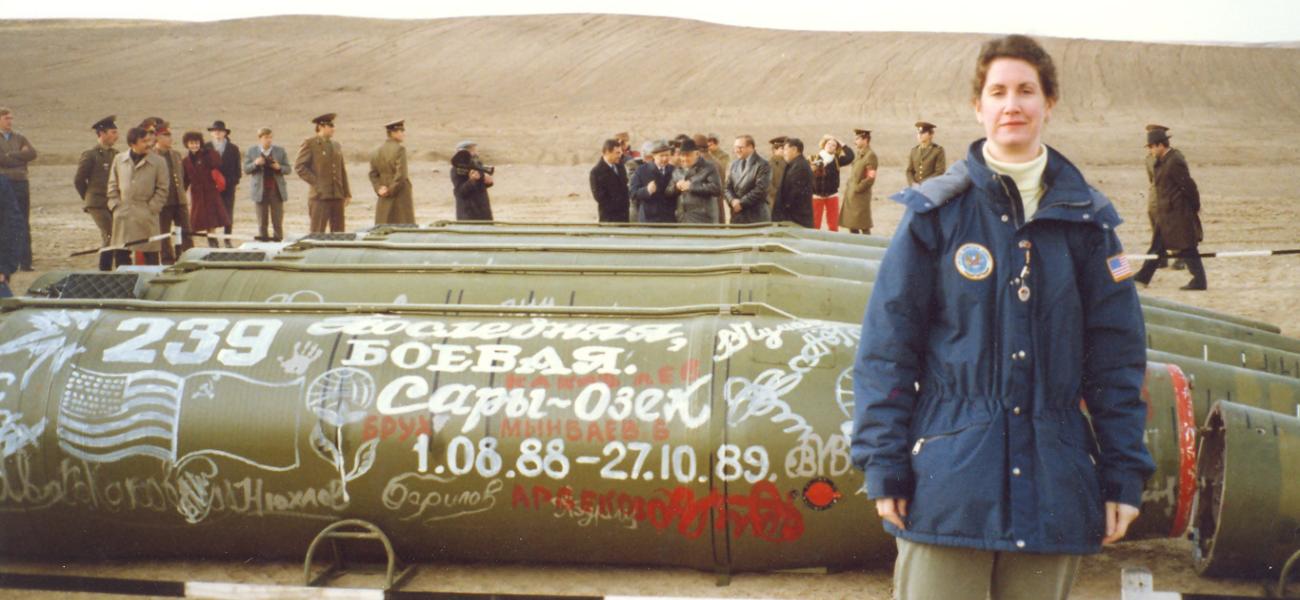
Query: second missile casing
x=803 y=296
x=1248 y=516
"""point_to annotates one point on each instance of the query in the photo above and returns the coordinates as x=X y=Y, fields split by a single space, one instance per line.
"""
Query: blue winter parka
x=984 y=334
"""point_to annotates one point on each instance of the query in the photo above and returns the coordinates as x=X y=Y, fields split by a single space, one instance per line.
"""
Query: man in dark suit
x=232 y=166
x=609 y=183
x=794 y=200
x=747 y=183
x=650 y=186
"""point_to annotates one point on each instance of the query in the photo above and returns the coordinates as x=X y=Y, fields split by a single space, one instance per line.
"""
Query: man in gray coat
x=699 y=187
x=747 y=184
x=266 y=163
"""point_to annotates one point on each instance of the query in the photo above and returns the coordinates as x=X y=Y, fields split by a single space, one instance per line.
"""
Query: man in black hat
x=1177 y=224
x=231 y=166
x=91 y=182
x=1163 y=262
x=388 y=175
x=696 y=184
x=927 y=158
x=320 y=163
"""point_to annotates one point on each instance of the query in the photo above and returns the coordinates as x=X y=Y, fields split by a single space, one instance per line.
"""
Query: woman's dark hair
x=1020 y=47
x=191 y=136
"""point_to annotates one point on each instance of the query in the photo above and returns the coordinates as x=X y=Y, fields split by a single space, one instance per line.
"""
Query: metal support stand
x=352 y=529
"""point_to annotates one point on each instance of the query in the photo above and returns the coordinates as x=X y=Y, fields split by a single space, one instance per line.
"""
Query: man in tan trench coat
x=389 y=177
x=927 y=158
x=321 y=164
x=856 y=216
x=137 y=192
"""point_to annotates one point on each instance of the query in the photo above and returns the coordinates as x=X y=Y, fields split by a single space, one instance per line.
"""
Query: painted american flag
x=107 y=417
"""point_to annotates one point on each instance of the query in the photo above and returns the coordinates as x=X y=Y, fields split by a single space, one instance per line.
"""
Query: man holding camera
x=389 y=177
x=470 y=180
x=320 y=163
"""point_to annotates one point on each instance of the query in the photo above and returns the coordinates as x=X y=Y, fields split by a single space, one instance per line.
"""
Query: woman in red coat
x=206 y=210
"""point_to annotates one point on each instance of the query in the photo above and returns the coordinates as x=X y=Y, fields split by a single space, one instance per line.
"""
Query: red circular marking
x=1186 y=450
x=820 y=494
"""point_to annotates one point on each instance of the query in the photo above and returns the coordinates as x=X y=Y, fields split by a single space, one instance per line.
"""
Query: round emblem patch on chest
x=973 y=261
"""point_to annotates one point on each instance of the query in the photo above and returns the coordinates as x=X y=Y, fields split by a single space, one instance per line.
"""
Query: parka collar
x=1067 y=197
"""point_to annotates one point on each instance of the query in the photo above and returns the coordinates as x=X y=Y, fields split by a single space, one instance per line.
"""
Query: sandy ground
x=540 y=93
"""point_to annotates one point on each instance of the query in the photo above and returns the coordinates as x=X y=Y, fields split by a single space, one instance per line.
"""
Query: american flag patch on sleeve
x=1120 y=267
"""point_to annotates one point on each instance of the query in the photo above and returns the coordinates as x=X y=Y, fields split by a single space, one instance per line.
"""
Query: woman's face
x=192 y=145
x=1013 y=109
x=831 y=146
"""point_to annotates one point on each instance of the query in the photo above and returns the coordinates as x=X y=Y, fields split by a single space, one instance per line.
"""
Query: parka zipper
x=921 y=441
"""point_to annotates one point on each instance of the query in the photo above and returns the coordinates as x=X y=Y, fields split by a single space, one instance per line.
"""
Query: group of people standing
x=134 y=197
x=690 y=179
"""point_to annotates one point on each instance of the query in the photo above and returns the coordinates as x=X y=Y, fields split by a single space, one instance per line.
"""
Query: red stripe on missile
x=1186 y=451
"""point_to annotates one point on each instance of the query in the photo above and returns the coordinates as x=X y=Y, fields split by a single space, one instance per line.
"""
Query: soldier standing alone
x=91 y=182
x=388 y=175
x=856 y=216
x=320 y=163
x=927 y=158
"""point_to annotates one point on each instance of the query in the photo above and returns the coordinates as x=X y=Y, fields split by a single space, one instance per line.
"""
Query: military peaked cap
x=395 y=125
x=862 y=133
x=325 y=119
x=923 y=127
x=105 y=123
x=777 y=141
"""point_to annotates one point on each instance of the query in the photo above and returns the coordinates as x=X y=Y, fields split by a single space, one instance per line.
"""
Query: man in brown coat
x=927 y=158
x=1151 y=195
x=176 y=211
x=320 y=163
x=856 y=216
x=1178 y=206
x=15 y=153
x=91 y=182
x=389 y=177
x=777 y=162
x=137 y=192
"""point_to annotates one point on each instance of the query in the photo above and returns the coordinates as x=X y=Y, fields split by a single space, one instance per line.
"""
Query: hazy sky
x=1247 y=21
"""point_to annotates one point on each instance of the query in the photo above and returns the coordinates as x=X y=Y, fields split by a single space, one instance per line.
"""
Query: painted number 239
x=247 y=342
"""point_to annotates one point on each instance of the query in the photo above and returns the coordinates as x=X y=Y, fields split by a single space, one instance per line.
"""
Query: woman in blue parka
x=1002 y=310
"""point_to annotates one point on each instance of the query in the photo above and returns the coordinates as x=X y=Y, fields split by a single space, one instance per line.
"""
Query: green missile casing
x=632 y=230
x=1179 y=392
x=709 y=437
x=799 y=295
x=1248 y=516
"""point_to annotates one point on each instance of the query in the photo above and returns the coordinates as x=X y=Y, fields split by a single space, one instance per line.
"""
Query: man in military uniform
x=15 y=153
x=856 y=216
x=389 y=177
x=320 y=163
x=1178 y=206
x=927 y=158
x=91 y=182
x=176 y=212
x=777 y=163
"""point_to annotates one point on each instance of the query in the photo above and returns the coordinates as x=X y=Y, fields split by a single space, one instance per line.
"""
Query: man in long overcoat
x=231 y=167
x=389 y=177
x=137 y=192
x=696 y=185
x=176 y=211
x=1178 y=207
x=777 y=163
x=856 y=215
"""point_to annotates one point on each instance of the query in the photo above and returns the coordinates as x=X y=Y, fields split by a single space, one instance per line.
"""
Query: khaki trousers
x=325 y=212
x=926 y=572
